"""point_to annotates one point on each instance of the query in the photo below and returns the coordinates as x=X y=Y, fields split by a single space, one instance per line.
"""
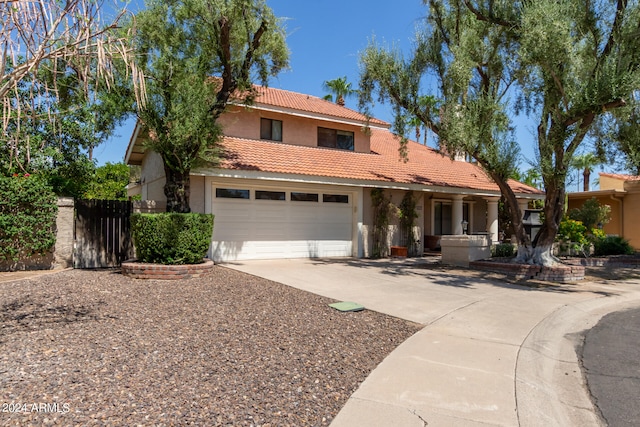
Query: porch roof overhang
x=135 y=148
x=596 y=193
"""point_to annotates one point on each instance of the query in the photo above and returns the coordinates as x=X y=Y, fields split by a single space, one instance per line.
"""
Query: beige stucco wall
x=630 y=214
x=245 y=123
x=611 y=183
x=197 y=197
x=152 y=177
x=478 y=215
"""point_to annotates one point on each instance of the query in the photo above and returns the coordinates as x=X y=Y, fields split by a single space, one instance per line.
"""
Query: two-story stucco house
x=296 y=176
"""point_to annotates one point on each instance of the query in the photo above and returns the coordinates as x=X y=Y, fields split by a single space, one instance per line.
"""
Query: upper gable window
x=271 y=129
x=333 y=138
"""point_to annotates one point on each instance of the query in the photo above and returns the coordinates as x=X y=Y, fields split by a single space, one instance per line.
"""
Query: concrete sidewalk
x=490 y=353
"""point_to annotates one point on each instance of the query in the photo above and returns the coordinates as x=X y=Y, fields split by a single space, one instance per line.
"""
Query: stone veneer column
x=63 y=252
x=492 y=218
x=456 y=214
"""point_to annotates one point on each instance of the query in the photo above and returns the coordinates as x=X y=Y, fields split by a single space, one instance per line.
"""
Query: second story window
x=333 y=138
x=271 y=129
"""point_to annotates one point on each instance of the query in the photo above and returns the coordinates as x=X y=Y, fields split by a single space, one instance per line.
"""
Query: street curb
x=550 y=386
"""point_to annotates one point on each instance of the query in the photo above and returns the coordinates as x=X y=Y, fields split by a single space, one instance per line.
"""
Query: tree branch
x=615 y=27
x=491 y=18
x=253 y=46
x=616 y=103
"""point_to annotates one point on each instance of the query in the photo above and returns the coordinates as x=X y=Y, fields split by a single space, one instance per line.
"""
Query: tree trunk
x=539 y=255
x=587 y=176
x=540 y=252
x=177 y=189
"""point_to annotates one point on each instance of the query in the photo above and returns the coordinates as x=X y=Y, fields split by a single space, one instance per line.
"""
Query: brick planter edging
x=141 y=270
x=561 y=273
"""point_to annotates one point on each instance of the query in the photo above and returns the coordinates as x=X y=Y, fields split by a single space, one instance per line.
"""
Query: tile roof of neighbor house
x=620 y=176
x=425 y=166
x=309 y=104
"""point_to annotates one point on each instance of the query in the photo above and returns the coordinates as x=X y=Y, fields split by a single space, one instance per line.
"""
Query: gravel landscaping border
x=228 y=349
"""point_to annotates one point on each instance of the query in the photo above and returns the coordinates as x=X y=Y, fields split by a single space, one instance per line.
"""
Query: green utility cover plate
x=347 y=306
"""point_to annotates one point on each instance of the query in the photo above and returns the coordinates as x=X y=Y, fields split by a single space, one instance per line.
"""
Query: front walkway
x=491 y=353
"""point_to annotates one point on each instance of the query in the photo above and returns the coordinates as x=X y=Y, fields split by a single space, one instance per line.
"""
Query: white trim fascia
x=313 y=116
x=594 y=193
x=307 y=179
x=132 y=141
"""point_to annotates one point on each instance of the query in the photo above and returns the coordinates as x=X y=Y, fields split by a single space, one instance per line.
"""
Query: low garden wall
x=141 y=270
x=561 y=273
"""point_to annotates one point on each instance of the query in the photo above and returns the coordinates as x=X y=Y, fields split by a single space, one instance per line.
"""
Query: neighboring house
x=296 y=176
x=622 y=194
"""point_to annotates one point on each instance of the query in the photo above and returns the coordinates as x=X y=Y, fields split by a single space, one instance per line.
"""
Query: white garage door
x=255 y=223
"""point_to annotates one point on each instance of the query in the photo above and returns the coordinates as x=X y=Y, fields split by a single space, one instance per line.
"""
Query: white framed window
x=271 y=129
x=332 y=138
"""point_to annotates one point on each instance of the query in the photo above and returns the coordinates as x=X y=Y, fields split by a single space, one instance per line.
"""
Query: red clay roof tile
x=309 y=104
x=620 y=176
x=424 y=165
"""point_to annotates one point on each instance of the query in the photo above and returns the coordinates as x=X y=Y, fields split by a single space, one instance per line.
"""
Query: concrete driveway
x=491 y=353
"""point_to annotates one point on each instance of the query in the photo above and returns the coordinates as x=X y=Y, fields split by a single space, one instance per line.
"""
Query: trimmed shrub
x=172 y=238
x=612 y=245
x=28 y=212
x=503 y=250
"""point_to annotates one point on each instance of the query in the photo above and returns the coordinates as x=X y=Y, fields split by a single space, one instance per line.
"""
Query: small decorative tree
x=408 y=215
x=381 y=213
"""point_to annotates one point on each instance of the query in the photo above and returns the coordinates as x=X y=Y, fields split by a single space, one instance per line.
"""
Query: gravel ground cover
x=229 y=349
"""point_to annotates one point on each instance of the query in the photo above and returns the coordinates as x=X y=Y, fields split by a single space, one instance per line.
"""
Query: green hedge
x=612 y=245
x=502 y=250
x=172 y=238
x=28 y=211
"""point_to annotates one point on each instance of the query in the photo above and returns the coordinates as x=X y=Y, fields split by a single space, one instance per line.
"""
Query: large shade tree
x=197 y=56
x=568 y=64
x=52 y=52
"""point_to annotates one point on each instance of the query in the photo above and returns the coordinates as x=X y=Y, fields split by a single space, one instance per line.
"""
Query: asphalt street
x=611 y=361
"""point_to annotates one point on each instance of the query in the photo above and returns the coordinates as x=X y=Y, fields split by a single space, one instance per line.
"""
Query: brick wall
x=561 y=274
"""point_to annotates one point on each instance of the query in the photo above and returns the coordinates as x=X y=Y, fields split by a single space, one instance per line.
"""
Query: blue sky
x=325 y=38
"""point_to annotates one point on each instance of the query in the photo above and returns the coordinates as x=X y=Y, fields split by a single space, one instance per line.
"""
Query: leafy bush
x=612 y=245
x=572 y=238
x=571 y=230
x=597 y=234
x=591 y=213
x=503 y=250
x=28 y=212
x=172 y=238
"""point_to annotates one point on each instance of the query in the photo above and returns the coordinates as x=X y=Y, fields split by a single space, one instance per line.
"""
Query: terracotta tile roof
x=425 y=166
x=622 y=177
x=309 y=104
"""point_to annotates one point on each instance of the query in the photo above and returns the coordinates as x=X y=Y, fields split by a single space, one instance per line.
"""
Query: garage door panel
x=266 y=229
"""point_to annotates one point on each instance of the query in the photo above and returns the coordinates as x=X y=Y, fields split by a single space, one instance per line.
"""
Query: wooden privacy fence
x=102 y=236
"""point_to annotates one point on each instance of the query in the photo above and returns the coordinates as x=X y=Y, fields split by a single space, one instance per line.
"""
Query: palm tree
x=585 y=162
x=340 y=88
